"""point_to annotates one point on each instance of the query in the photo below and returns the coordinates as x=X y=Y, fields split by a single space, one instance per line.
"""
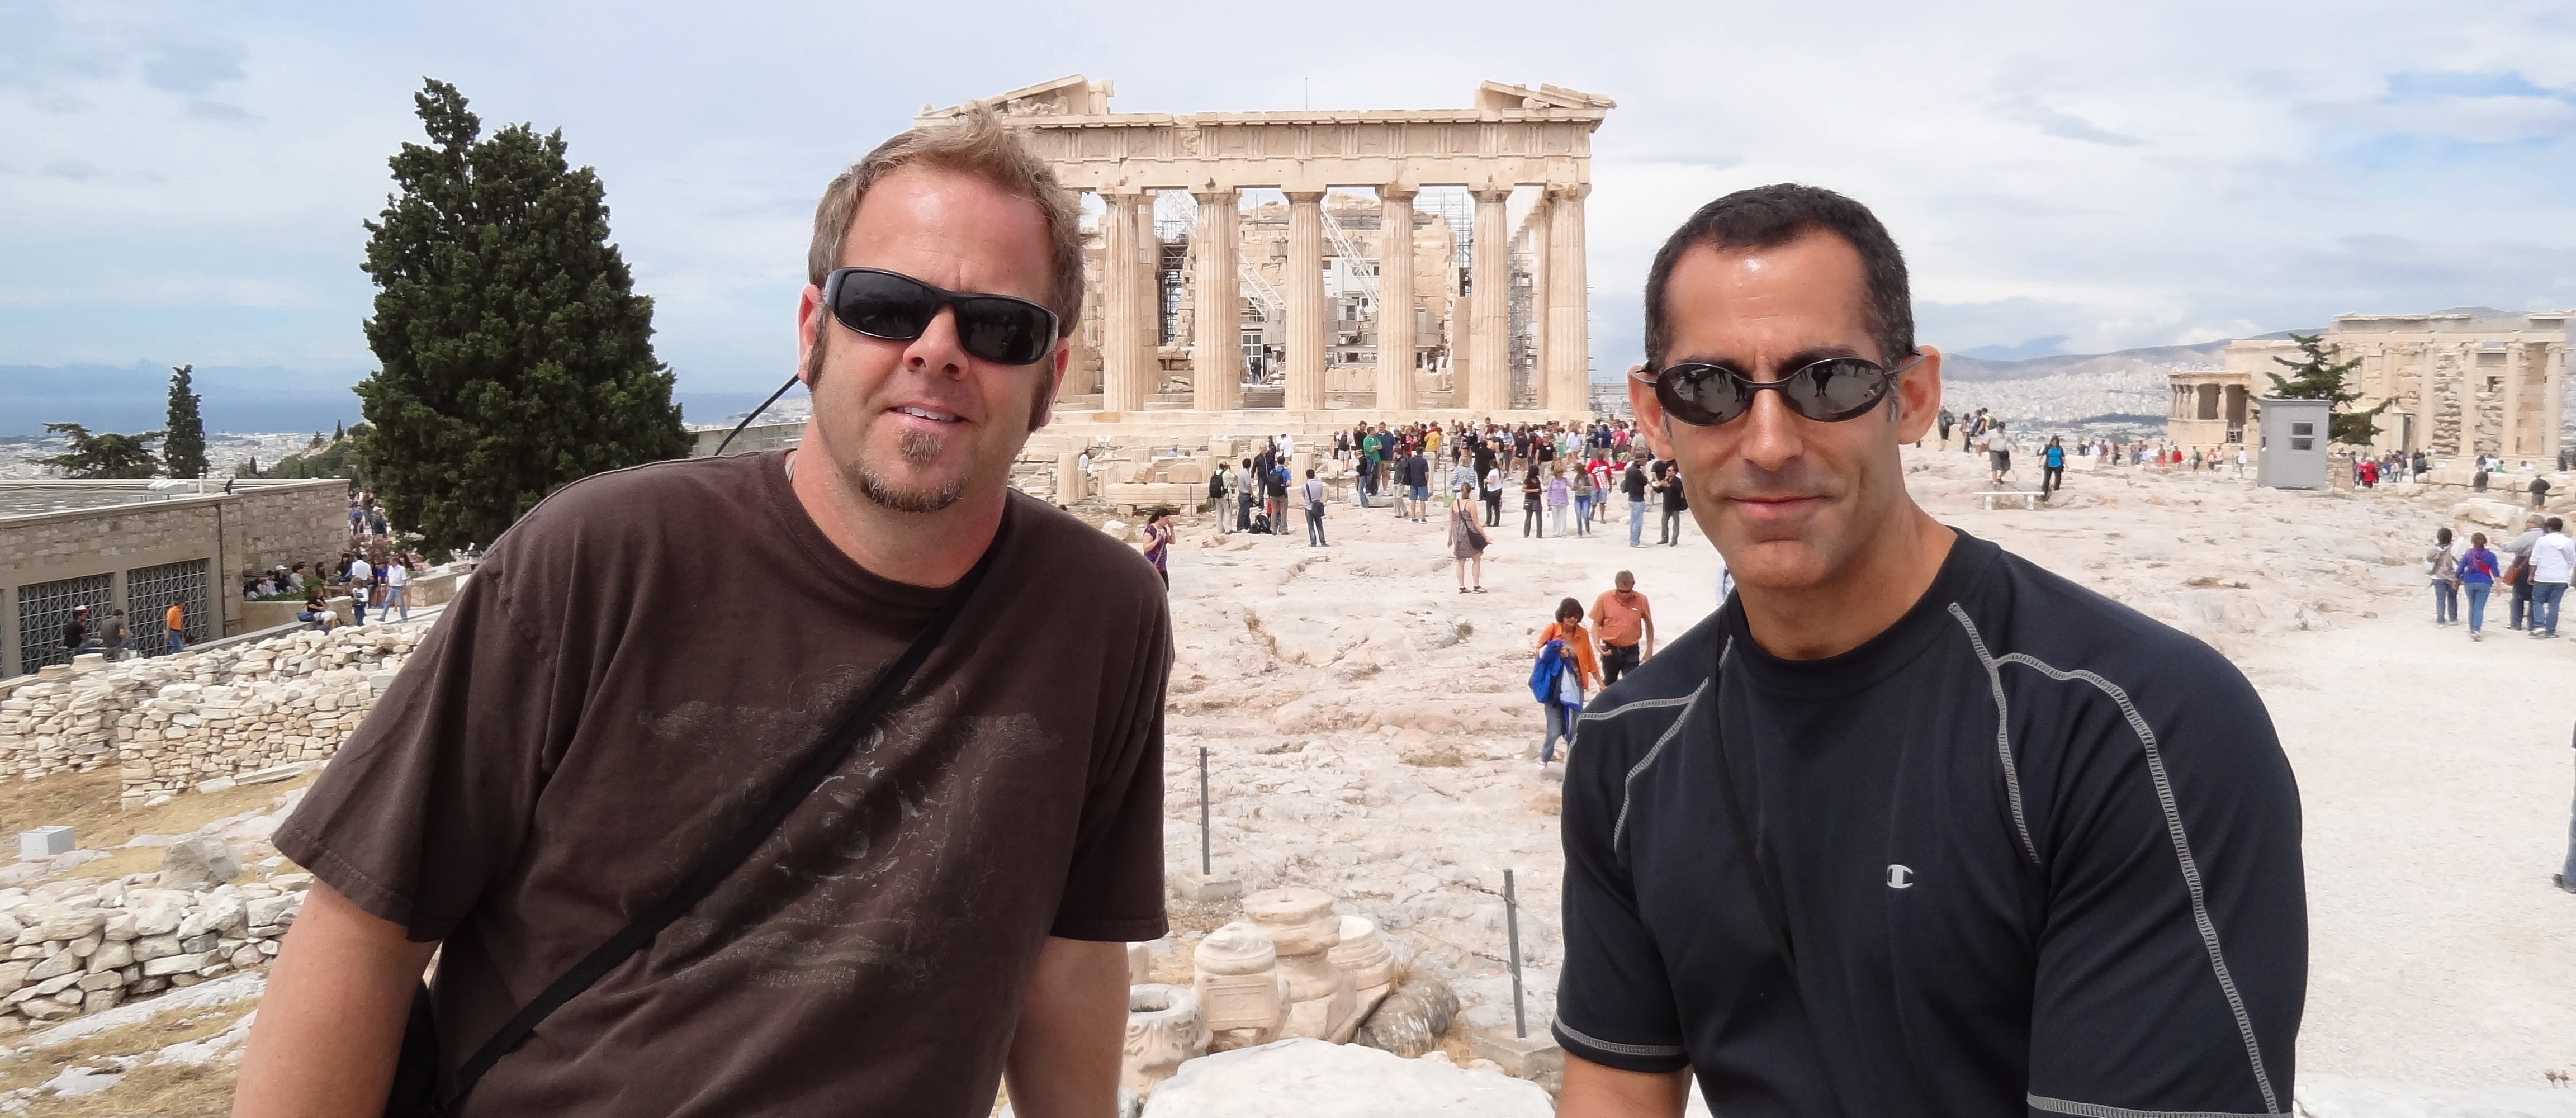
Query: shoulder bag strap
x=730 y=854
x=1765 y=896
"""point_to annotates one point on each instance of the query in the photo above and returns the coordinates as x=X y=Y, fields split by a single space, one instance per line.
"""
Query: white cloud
x=2110 y=175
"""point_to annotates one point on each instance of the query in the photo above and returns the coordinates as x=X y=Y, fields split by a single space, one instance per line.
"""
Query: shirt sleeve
x=1113 y=892
x=2173 y=961
x=1614 y=1002
x=430 y=800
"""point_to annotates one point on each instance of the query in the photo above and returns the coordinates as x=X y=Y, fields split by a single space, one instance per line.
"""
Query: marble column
x=1216 y=354
x=1149 y=301
x=2511 y=443
x=2553 y=402
x=1122 y=378
x=1305 y=300
x=1568 y=357
x=1489 y=367
x=1395 y=299
x=2427 y=399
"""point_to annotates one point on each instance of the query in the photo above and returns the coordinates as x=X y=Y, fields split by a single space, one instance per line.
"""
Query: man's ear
x=1918 y=397
x=1651 y=420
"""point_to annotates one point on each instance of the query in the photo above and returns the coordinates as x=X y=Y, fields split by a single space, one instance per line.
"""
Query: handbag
x=418 y=1092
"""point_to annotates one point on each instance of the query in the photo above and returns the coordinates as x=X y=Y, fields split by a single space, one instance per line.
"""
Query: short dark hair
x=2555 y=525
x=1569 y=608
x=1767 y=216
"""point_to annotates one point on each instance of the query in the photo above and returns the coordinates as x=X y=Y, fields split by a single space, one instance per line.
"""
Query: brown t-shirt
x=631 y=671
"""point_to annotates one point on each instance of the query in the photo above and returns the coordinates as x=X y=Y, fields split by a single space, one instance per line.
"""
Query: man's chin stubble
x=917 y=448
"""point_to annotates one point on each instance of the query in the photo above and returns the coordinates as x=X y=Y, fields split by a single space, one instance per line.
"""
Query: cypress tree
x=2316 y=375
x=515 y=355
x=183 y=448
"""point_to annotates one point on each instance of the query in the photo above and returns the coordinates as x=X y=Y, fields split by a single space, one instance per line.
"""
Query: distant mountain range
x=231 y=398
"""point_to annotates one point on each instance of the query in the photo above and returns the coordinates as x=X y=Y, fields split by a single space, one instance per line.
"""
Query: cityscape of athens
x=808 y=561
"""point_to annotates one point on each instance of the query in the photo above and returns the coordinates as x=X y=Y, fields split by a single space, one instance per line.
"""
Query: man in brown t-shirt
x=1625 y=625
x=589 y=718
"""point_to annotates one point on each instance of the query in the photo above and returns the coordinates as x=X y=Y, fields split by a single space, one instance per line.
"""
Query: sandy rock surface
x=1312 y=1079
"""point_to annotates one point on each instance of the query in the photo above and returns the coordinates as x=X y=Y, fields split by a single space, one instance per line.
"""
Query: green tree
x=2318 y=376
x=345 y=457
x=183 y=451
x=516 y=356
x=103 y=455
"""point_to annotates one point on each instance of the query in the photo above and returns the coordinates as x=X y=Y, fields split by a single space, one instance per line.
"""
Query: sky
x=187 y=182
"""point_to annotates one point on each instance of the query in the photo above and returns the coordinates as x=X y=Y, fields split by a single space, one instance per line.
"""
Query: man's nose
x=1771 y=435
x=937 y=351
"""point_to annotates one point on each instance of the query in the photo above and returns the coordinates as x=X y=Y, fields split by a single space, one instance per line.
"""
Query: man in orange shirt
x=175 y=619
x=1626 y=627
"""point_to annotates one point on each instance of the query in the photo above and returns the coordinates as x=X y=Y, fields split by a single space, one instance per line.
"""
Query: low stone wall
x=79 y=947
x=175 y=721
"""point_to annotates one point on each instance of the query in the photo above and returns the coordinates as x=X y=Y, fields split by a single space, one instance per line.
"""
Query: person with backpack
x=2443 y=567
x=1567 y=668
x=1467 y=540
x=2539 y=491
x=2517 y=571
x=2477 y=568
x=2052 y=468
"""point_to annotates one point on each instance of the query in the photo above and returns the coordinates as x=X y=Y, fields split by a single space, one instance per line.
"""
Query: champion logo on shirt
x=1900 y=877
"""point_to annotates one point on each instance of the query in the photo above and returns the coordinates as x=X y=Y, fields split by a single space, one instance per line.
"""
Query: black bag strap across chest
x=720 y=861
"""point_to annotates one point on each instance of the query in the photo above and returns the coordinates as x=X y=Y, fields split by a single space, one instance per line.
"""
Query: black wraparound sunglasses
x=1827 y=391
x=897 y=307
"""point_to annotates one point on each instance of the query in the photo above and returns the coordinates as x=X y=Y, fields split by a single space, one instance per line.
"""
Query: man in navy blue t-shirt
x=1910 y=826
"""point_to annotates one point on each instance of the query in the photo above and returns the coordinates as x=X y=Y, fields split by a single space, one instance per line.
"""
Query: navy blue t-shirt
x=2034 y=853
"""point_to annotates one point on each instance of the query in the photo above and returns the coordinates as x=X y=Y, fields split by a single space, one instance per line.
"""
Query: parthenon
x=1312 y=310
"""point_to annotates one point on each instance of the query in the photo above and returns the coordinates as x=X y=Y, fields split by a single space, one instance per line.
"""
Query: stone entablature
x=1512 y=136
x=2457 y=383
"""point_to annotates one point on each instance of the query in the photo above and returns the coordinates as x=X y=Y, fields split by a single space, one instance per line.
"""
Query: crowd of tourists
x=2533 y=568
x=1568 y=475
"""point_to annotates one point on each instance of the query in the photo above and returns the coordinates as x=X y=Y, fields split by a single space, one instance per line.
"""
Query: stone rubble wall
x=78 y=947
x=170 y=723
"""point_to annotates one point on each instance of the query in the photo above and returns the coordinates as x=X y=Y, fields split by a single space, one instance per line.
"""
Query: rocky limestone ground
x=1369 y=732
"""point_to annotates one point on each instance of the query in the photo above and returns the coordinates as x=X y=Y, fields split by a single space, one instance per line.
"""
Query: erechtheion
x=2462 y=383
x=1315 y=311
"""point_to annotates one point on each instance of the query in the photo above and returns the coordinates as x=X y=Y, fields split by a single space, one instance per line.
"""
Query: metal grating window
x=148 y=591
x=45 y=607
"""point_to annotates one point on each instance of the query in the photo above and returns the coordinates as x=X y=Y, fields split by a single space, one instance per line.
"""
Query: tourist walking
x=1567 y=669
x=111 y=636
x=1675 y=504
x=2517 y=573
x=2539 y=492
x=1313 y=491
x=1583 y=488
x=1800 y=860
x=2477 y=569
x=951 y=913
x=1417 y=484
x=1467 y=540
x=2553 y=561
x=2444 y=569
x=2052 y=468
x=1494 y=495
x=1625 y=624
x=1559 y=496
x=175 y=621
x=1533 y=500
x=1240 y=485
x=1632 y=483
x=1158 y=545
